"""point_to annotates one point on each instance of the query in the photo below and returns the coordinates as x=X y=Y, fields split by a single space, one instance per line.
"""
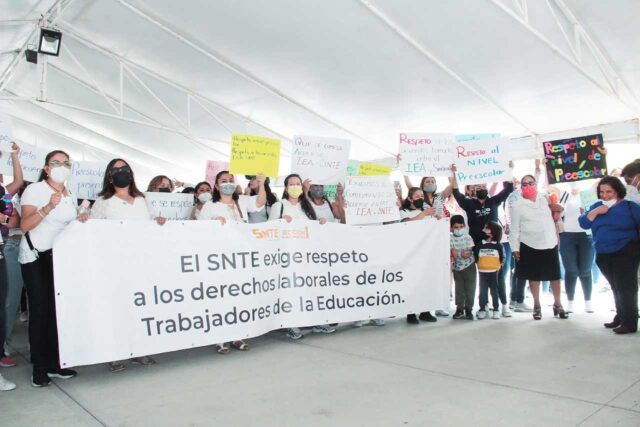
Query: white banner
x=426 y=154
x=322 y=160
x=176 y=206
x=31 y=159
x=483 y=160
x=132 y=288
x=370 y=200
x=86 y=179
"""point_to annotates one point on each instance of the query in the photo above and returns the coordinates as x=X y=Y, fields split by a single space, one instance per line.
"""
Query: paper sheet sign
x=483 y=160
x=426 y=154
x=31 y=160
x=174 y=206
x=6 y=131
x=575 y=159
x=372 y=169
x=251 y=155
x=370 y=200
x=86 y=179
x=212 y=169
x=321 y=160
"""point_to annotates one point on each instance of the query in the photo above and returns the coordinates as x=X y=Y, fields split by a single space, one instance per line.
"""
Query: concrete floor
x=507 y=372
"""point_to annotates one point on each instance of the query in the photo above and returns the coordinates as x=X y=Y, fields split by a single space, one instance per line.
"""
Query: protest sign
x=353 y=167
x=321 y=160
x=575 y=159
x=483 y=160
x=174 y=206
x=31 y=160
x=6 y=131
x=370 y=200
x=212 y=169
x=86 y=179
x=251 y=155
x=426 y=154
x=372 y=169
x=196 y=283
x=330 y=191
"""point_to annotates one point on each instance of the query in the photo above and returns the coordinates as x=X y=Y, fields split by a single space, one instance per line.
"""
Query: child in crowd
x=464 y=268
x=490 y=257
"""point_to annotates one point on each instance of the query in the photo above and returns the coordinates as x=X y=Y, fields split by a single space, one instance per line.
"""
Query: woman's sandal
x=559 y=312
x=240 y=345
x=537 y=313
x=222 y=349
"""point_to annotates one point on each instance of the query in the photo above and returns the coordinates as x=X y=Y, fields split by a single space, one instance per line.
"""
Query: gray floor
x=507 y=372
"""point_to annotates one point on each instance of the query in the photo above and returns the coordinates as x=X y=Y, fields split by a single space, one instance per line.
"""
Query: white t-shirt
x=294 y=211
x=247 y=204
x=116 y=208
x=408 y=214
x=324 y=211
x=39 y=194
x=571 y=214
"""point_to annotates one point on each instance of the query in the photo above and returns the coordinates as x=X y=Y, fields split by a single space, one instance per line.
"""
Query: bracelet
x=40 y=213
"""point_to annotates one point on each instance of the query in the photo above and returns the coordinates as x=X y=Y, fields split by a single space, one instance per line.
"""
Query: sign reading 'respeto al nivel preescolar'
x=575 y=159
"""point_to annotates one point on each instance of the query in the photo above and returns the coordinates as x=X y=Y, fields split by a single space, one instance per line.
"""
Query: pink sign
x=213 y=167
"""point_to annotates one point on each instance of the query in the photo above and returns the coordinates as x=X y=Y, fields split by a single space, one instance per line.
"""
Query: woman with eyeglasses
x=47 y=207
x=202 y=195
x=534 y=243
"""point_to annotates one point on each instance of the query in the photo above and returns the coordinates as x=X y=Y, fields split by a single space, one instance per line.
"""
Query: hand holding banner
x=31 y=160
x=251 y=155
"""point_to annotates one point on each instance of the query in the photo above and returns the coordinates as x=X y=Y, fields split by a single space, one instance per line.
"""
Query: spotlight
x=31 y=55
x=49 y=42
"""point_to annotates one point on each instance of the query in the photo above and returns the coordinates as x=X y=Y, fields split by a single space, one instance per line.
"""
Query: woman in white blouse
x=333 y=212
x=47 y=207
x=202 y=195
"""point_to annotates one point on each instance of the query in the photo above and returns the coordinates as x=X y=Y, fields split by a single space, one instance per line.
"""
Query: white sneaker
x=505 y=311
x=496 y=314
x=481 y=314
x=442 y=313
x=358 y=324
x=6 y=385
x=588 y=307
x=24 y=317
x=512 y=304
x=323 y=329
x=522 y=307
x=378 y=322
x=570 y=307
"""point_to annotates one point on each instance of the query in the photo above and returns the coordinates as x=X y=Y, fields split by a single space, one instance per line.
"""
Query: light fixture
x=49 y=42
x=31 y=55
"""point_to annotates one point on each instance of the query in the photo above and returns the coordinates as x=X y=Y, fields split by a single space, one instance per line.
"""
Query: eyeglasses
x=56 y=163
x=528 y=184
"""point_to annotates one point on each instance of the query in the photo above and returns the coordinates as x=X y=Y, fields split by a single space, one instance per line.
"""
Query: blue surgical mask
x=459 y=232
x=227 y=188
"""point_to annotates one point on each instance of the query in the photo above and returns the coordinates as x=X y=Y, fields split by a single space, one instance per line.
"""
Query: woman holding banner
x=47 y=207
x=333 y=212
x=202 y=195
x=252 y=190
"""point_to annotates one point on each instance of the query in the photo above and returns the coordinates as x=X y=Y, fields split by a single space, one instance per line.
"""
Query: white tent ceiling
x=190 y=73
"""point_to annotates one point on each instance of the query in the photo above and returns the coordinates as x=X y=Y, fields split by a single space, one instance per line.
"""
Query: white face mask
x=609 y=203
x=204 y=197
x=60 y=174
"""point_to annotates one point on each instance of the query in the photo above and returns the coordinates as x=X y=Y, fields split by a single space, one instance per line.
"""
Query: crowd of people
x=528 y=232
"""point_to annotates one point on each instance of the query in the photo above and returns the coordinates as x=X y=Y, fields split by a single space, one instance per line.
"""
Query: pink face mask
x=530 y=192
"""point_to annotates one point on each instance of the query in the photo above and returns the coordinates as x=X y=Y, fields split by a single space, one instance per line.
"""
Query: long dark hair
x=305 y=204
x=271 y=198
x=496 y=230
x=43 y=174
x=216 y=192
x=406 y=203
x=108 y=189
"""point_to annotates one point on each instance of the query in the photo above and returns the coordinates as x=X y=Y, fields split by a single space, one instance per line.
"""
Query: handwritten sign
x=426 y=154
x=86 y=179
x=370 y=200
x=251 y=155
x=174 y=206
x=483 y=160
x=6 y=130
x=372 y=169
x=330 y=191
x=575 y=159
x=213 y=168
x=321 y=160
x=476 y=136
x=353 y=167
x=31 y=160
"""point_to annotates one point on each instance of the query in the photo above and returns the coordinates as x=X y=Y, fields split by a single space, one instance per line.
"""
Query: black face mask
x=419 y=203
x=482 y=194
x=121 y=179
x=164 y=190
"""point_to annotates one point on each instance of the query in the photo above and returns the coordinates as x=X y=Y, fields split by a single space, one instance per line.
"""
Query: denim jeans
x=489 y=281
x=576 y=250
x=14 y=284
x=517 y=285
x=506 y=270
x=3 y=294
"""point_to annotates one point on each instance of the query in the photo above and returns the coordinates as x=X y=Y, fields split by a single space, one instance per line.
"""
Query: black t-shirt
x=479 y=213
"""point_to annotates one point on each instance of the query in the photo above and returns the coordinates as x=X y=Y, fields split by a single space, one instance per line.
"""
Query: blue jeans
x=489 y=281
x=576 y=250
x=14 y=284
x=517 y=285
x=506 y=270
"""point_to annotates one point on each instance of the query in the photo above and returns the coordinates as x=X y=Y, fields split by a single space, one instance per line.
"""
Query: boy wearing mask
x=464 y=268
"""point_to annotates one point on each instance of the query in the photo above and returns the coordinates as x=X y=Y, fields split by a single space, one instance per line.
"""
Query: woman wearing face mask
x=160 y=184
x=252 y=190
x=333 y=212
x=413 y=209
x=202 y=195
x=431 y=197
x=614 y=223
x=47 y=207
x=120 y=199
x=534 y=243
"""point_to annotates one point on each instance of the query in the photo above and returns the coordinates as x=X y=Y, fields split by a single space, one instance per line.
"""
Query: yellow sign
x=251 y=155
x=372 y=169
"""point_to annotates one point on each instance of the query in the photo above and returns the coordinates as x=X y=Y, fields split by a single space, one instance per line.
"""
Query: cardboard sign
x=251 y=155
x=483 y=160
x=372 y=169
x=86 y=179
x=213 y=168
x=174 y=206
x=321 y=160
x=31 y=160
x=370 y=200
x=575 y=159
x=426 y=154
